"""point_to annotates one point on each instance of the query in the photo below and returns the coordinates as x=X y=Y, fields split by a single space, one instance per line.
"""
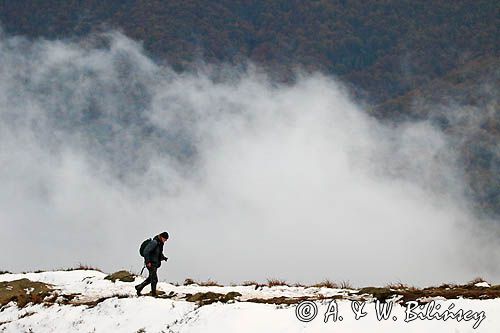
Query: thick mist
x=101 y=147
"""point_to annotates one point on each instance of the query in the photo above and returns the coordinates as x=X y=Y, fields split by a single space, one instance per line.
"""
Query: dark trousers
x=152 y=278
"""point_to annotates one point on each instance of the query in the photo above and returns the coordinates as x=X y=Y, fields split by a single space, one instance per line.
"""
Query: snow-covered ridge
x=84 y=301
x=92 y=284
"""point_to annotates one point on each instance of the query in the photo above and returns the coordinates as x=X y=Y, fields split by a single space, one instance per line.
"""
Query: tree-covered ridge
x=385 y=47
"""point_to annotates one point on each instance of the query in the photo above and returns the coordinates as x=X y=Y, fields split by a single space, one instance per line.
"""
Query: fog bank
x=101 y=147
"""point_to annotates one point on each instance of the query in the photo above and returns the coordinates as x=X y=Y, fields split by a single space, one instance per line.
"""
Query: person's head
x=163 y=236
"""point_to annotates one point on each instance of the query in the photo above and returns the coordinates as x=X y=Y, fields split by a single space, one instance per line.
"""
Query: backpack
x=143 y=246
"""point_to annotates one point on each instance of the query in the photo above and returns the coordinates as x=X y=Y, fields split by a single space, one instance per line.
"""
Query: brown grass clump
x=447 y=291
x=189 y=281
x=397 y=286
x=209 y=283
x=123 y=276
x=253 y=283
x=379 y=293
x=465 y=291
x=211 y=297
x=476 y=280
x=249 y=283
x=290 y=300
x=279 y=300
x=326 y=284
x=82 y=267
x=23 y=292
x=447 y=286
x=276 y=282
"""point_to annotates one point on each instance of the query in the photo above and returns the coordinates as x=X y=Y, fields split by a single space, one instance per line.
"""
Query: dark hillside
x=385 y=47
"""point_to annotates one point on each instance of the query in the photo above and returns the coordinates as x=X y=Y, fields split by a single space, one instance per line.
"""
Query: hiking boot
x=138 y=289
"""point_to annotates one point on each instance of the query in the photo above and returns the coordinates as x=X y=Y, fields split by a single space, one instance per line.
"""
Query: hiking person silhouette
x=152 y=251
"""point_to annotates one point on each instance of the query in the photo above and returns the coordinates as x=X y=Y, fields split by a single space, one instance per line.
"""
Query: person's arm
x=163 y=257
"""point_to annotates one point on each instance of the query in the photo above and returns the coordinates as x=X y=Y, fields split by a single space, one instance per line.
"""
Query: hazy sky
x=101 y=148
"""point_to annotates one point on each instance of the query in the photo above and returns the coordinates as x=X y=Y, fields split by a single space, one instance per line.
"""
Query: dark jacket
x=153 y=252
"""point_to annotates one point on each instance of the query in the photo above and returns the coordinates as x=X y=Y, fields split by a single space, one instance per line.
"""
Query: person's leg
x=154 y=279
x=141 y=286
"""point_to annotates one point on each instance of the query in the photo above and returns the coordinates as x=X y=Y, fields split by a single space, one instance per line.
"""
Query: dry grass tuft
x=397 y=286
x=345 y=285
x=326 y=284
x=209 y=283
x=476 y=280
x=250 y=283
x=276 y=282
x=83 y=267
